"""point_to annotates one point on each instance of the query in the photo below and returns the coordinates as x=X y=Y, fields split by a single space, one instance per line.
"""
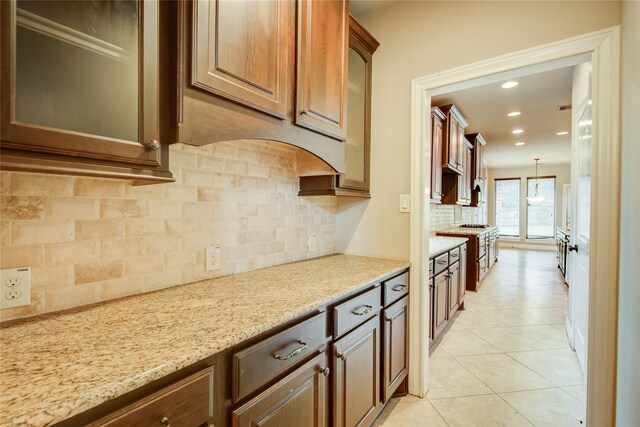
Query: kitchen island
x=483 y=251
x=54 y=367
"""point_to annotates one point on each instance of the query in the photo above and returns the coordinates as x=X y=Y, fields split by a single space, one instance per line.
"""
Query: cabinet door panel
x=356 y=380
x=454 y=288
x=440 y=304
x=241 y=50
x=436 y=155
x=396 y=355
x=463 y=275
x=79 y=89
x=322 y=55
x=300 y=399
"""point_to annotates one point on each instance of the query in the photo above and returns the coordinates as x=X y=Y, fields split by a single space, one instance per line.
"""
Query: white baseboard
x=509 y=245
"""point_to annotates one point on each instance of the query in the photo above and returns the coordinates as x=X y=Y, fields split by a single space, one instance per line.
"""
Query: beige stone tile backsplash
x=442 y=217
x=90 y=240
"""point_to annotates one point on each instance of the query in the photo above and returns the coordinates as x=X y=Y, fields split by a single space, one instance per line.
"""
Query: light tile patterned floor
x=506 y=360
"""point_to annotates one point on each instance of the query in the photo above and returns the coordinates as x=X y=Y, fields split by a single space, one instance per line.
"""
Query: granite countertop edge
x=452 y=242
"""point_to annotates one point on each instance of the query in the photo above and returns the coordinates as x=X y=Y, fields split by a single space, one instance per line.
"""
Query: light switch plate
x=405 y=203
x=15 y=287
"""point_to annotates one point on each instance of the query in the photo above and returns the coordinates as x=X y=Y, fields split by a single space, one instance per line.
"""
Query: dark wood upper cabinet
x=478 y=170
x=355 y=181
x=437 y=127
x=454 y=125
x=356 y=376
x=81 y=89
x=241 y=51
x=456 y=189
x=322 y=58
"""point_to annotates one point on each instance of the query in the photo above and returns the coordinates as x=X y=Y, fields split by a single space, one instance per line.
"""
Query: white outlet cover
x=15 y=287
x=212 y=258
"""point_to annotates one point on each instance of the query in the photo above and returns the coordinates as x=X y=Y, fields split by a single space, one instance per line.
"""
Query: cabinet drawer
x=188 y=402
x=353 y=312
x=395 y=288
x=441 y=263
x=454 y=255
x=262 y=362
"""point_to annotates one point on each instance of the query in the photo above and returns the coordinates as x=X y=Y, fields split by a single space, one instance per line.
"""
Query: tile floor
x=506 y=360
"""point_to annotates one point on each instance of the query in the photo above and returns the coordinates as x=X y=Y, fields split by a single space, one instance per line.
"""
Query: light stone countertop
x=55 y=366
x=466 y=231
x=438 y=245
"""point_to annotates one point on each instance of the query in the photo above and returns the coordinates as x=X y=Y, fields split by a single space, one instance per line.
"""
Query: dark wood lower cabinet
x=462 y=283
x=356 y=376
x=440 y=303
x=396 y=354
x=431 y=311
x=453 y=286
x=300 y=400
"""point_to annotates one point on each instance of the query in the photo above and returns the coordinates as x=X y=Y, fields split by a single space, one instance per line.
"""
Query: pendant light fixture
x=537 y=198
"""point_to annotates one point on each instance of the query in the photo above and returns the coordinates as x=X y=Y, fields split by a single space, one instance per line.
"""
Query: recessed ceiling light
x=509 y=85
x=517 y=131
x=514 y=113
x=564 y=132
x=519 y=143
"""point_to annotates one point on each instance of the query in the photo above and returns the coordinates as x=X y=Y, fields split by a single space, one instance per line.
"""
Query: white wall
x=562 y=172
x=419 y=38
x=628 y=410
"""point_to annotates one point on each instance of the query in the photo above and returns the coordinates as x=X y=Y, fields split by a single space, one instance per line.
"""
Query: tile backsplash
x=90 y=240
x=443 y=217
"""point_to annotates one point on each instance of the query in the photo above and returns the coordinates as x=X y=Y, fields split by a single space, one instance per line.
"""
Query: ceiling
x=362 y=7
x=537 y=97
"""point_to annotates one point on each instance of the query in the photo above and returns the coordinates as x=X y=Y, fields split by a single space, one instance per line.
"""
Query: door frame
x=603 y=49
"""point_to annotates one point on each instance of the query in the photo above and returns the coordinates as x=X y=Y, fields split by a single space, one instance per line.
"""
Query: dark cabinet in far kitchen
x=322 y=61
x=440 y=303
x=454 y=126
x=453 y=287
x=81 y=89
x=437 y=125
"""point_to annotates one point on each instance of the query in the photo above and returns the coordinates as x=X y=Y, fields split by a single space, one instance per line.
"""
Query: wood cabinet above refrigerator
x=453 y=137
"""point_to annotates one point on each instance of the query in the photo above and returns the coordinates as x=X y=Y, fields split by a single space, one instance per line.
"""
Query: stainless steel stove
x=474 y=225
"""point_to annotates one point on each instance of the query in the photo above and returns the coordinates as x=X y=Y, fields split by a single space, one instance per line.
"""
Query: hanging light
x=537 y=198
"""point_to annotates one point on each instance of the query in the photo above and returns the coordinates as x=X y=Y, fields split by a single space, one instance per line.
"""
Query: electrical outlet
x=212 y=258
x=311 y=244
x=15 y=288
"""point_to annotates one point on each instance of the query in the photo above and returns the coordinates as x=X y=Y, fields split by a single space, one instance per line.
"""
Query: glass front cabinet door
x=80 y=88
x=355 y=181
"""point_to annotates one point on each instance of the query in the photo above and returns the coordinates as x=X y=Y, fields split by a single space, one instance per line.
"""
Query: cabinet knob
x=325 y=371
x=573 y=248
x=304 y=111
x=165 y=422
x=341 y=356
x=153 y=145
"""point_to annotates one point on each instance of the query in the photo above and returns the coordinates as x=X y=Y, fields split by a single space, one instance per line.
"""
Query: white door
x=580 y=234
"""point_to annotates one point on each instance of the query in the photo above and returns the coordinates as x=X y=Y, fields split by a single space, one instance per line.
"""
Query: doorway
x=603 y=49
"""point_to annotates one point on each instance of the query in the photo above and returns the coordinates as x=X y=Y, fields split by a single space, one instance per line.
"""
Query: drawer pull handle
x=153 y=145
x=399 y=288
x=325 y=371
x=294 y=352
x=367 y=310
x=442 y=262
x=165 y=422
x=455 y=255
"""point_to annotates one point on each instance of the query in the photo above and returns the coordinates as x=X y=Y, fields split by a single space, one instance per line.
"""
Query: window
x=541 y=218
x=508 y=206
